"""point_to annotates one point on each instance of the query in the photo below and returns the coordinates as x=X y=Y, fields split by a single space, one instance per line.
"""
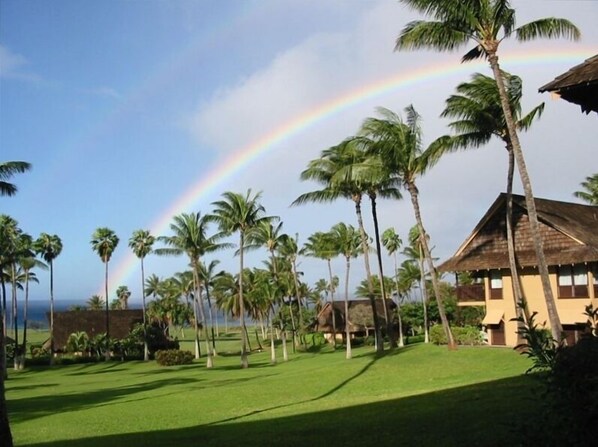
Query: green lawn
x=418 y=395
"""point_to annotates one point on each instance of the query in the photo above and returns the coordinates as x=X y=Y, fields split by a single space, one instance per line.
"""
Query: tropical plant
x=95 y=302
x=7 y=170
x=590 y=193
x=27 y=263
x=49 y=248
x=399 y=148
x=392 y=242
x=104 y=242
x=141 y=242
x=238 y=213
x=487 y=23
x=348 y=242
x=335 y=171
x=478 y=113
x=123 y=294
x=207 y=276
x=190 y=238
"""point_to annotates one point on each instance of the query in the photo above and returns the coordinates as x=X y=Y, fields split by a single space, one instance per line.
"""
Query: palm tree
x=413 y=269
x=7 y=170
x=479 y=117
x=190 y=238
x=290 y=250
x=392 y=242
x=152 y=285
x=590 y=195
x=207 y=276
x=348 y=242
x=95 y=302
x=487 y=23
x=104 y=242
x=320 y=245
x=334 y=170
x=49 y=248
x=399 y=145
x=239 y=213
x=141 y=242
x=123 y=294
x=26 y=264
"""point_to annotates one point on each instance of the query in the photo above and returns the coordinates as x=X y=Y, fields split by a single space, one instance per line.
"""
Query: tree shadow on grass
x=480 y=414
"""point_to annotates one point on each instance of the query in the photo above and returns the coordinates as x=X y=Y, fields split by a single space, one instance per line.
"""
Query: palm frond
x=436 y=35
x=549 y=28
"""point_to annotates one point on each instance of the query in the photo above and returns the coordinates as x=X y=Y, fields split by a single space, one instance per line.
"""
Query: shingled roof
x=569 y=233
x=578 y=85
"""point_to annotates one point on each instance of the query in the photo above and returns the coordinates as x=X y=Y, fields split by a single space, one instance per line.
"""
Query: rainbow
x=245 y=156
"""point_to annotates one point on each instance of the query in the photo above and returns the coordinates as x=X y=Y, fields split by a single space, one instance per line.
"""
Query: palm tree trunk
x=211 y=317
x=272 y=345
x=145 y=346
x=348 y=354
x=209 y=361
x=555 y=322
x=519 y=302
x=435 y=284
x=15 y=318
x=424 y=295
x=3 y=362
x=51 y=312
x=25 y=309
x=389 y=325
x=195 y=324
x=298 y=298
x=401 y=339
x=244 y=360
x=107 y=347
x=332 y=304
x=368 y=273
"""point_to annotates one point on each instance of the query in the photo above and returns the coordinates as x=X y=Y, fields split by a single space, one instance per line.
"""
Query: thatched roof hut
x=578 y=85
x=93 y=322
x=569 y=233
x=360 y=316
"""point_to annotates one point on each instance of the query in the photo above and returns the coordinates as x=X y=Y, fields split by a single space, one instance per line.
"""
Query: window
x=595 y=275
x=495 y=285
x=573 y=281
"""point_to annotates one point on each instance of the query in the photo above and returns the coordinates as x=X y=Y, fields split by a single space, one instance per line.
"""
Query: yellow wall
x=534 y=295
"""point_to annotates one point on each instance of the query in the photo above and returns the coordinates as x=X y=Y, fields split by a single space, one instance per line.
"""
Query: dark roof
x=363 y=307
x=578 y=85
x=569 y=234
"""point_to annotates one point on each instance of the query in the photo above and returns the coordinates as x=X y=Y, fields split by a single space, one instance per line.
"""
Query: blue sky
x=122 y=106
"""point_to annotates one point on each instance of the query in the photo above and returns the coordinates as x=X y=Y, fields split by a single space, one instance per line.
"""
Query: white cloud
x=13 y=66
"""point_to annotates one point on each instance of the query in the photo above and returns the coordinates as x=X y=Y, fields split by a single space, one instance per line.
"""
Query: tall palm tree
x=7 y=170
x=191 y=238
x=104 y=241
x=238 y=213
x=479 y=117
x=348 y=241
x=487 y=23
x=399 y=146
x=207 y=275
x=290 y=250
x=392 y=242
x=141 y=242
x=413 y=268
x=321 y=245
x=334 y=170
x=49 y=248
x=590 y=195
x=27 y=263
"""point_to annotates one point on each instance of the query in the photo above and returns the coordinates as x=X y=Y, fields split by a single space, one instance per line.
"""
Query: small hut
x=361 y=322
x=93 y=322
x=578 y=85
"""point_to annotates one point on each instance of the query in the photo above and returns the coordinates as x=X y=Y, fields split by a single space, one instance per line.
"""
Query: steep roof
x=358 y=309
x=569 y=234
x=578 y=85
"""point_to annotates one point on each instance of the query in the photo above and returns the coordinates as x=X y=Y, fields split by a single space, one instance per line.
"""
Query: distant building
x=569 y=233
x=93 y=322
x=360 y=318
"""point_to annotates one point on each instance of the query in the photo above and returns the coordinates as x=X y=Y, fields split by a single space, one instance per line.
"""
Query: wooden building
x=569 y=233
x=578 y=85
x=93 y=322
x=360 y=318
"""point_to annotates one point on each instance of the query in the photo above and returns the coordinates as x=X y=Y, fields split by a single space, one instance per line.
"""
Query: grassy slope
x=419 y=395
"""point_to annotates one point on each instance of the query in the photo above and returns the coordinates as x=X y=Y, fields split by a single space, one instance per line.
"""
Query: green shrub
x=172 y=357
x=464 y=335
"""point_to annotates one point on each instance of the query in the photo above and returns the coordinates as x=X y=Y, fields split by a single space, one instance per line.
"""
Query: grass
x=418 y=395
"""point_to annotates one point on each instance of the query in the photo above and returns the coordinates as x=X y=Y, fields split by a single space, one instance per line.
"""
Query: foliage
x=539 y=345
x=171 y=357
x=464 y=335
x=78 y=342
